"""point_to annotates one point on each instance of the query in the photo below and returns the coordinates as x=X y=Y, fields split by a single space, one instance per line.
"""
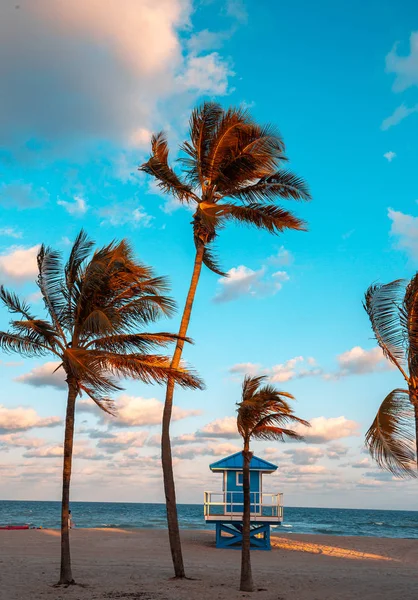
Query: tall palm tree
x=262 y=414
x=392 y=439
x=231 y=172
x=94 y=306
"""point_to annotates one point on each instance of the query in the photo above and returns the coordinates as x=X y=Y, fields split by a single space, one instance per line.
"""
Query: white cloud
x=336 y=451
x=45 y=375
x=34 y=297
x=389 y=155
x=242 y=281
x=140 y=138
x=283 y=257
x=358 y=361
x=325 y=429
x=309 y=470
x=22 y=419
x=103 y=80
x=18 y=264
x=295 y=368
x=405 y=228
x=18 y=194
x=56 y=451
x=247 y=368
x=285 y=371
x=237 y=10
x=207 y=40
x=225 y=427
x=125 y=213
x=405 y=68
x=78 y=207
x=123 y=440
x=136 y=412
x=211 y=449
x=398 y=115
x=14 y=440
x=304 y=456
x=205 y=74
x=363 y=463
x=10 y=232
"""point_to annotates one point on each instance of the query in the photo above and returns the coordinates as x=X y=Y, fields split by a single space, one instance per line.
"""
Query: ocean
x=331 y=521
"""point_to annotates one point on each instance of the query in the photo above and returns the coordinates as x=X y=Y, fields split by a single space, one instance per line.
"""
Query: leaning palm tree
x=231 y=173
x=95 y=305
x=263 y=414
x=392 y=439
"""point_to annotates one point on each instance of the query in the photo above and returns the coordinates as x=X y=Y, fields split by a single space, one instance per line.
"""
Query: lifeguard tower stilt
x=226 y=508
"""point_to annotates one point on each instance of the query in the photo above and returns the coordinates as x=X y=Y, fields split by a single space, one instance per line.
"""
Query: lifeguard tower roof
x=235 y=462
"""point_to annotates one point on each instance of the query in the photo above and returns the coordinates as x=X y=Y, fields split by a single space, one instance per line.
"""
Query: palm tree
x=392 y=439
x=94 y=305
x=262 y=414
x=231 y=172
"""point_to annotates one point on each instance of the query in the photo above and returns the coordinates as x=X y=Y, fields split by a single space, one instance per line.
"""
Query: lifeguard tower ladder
x=226 y=508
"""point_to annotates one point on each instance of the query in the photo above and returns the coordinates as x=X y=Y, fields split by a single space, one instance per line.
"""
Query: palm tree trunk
x=166 y=458
x=246 y=584
x=66 y=576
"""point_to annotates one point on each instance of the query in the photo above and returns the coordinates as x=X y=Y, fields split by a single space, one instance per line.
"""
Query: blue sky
x=83 y=91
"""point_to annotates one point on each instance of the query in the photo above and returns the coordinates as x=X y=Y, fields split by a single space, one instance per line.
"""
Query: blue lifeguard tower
x=225 y=508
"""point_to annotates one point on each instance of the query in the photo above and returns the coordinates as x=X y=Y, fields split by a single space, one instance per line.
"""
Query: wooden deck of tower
x=225 y=508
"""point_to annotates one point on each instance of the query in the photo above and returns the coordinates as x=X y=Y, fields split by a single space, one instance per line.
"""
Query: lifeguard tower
x=225 y=508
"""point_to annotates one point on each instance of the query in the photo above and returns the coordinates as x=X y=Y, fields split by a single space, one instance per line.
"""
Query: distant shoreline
x=201 y=504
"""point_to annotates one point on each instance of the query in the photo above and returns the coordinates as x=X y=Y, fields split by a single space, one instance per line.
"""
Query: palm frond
x=22 y=344
x=105 y=403
x=391 y=437
x=256 y=154
x=157 y=166
x=225 y=138
x=264 y=412
x=272 y=218
x=135 y=342
x=210 y=260
x=50 y=282
x=84 y=366
x=281 y=184
x=383 y=304
x=203 y=123
x=145 y=367
x=275 y=433
x=38 y=331
x=250 y=386
x=14 y=304
x=144 y=310
x=79 y=254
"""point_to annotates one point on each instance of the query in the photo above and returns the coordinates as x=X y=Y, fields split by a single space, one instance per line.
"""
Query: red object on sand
x=14 y=527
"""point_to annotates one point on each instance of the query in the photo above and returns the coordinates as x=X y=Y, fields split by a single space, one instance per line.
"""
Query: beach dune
x=129 y=564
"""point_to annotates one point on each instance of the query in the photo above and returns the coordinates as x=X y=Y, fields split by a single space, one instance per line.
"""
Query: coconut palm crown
x=392 y=439
x=96 y=305
x=264 y=412
x=228 y=156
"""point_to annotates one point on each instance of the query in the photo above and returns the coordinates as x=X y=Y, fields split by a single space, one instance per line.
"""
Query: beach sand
x=136 y=564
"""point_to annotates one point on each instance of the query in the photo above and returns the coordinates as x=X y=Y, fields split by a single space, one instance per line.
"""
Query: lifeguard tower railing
x=228 y=506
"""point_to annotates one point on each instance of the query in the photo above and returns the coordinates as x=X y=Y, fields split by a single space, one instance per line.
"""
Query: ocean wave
x=286 y=525
x=330 y=531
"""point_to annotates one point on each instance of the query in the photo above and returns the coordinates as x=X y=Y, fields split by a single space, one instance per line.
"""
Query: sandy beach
x=136 y=565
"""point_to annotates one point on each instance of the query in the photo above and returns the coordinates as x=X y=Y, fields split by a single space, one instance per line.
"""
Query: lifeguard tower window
x=240 y=478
